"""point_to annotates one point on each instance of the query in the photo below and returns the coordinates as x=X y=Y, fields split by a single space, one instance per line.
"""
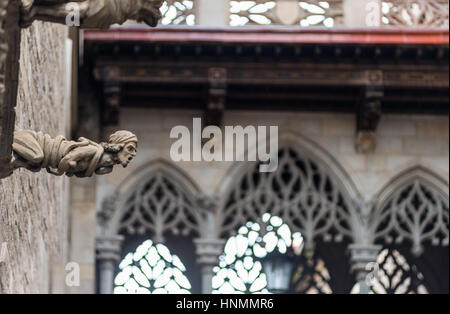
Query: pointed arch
x=157 y=197
x=406 y=176
x=318 y=185
x=307 y=148
x=413 y=206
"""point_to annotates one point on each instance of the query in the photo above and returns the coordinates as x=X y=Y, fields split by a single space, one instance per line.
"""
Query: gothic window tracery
x=160 y=205
x=151 y=269
x=417 y=213
x=300 y=192
x=286 y=12
x=178 y=12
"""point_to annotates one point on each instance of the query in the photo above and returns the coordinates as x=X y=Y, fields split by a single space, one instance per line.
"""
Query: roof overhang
x=274 y=35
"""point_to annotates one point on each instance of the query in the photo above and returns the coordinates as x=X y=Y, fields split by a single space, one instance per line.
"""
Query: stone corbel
x=217 y=96
x=369 y=113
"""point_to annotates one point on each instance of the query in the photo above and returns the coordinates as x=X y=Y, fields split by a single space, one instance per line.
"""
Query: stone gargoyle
x=83 y=158
x=94 y=14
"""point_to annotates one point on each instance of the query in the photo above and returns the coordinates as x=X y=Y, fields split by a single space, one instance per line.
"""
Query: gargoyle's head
x=123 y=147
x=149 y=11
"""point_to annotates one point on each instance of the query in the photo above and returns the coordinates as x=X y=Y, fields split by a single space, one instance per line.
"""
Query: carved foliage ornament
x=92 y=13
x=416 y=13
x=83 y=158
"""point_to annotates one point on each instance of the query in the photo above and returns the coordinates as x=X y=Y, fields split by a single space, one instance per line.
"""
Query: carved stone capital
x=361 y=257
x=109 y=248
x=208 y=203
x=83 y=158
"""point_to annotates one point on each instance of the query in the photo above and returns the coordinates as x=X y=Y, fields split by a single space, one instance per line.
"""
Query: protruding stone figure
x=97 y=14
x=82 y=158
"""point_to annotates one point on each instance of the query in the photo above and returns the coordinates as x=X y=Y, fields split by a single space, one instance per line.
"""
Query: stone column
x=213 y=13
x=208 y=252
x=362 y=13
x=108 y=256
x=363 y=260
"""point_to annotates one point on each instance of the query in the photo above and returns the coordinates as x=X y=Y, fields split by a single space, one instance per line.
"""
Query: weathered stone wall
x=33 y=209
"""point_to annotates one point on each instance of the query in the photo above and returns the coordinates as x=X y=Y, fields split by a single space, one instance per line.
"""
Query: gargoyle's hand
x=70 y=161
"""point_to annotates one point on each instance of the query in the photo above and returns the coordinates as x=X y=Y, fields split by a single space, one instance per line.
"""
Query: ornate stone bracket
x=369 y=113
x=34 y=151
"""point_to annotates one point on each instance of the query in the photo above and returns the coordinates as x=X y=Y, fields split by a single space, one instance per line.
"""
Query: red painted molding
x=378 y=36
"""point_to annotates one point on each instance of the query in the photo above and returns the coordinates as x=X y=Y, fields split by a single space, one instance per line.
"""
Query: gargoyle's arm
x=72 y=158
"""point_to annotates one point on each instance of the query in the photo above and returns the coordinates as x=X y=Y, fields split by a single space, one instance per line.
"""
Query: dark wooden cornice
x=274 y=68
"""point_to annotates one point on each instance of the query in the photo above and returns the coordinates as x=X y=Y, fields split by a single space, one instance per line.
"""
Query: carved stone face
x=127 y=153
x=150 y=12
